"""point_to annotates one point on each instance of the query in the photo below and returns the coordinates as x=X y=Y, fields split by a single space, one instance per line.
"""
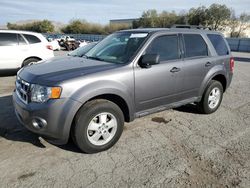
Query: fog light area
x=39 y=123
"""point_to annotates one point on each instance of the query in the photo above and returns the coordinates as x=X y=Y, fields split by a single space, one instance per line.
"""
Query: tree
x=197 y=16
x=82 y=26
x=167 y=19
x=239 y=24
x=149 y=18
x=217 y=16
x=44 y=26
x=75 y=26
x=115 y=27
x=152 y=18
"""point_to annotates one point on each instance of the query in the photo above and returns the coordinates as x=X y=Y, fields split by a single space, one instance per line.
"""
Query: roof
x=18 y=31
x=182 y=30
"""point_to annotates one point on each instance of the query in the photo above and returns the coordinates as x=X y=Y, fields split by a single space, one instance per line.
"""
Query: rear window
x=195 y=45
x=165 y=46
x=8 y=39
x=219 y=44
x=32 y=39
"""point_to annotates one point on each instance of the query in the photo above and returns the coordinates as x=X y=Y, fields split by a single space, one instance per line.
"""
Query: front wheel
x=212 y=97
x=30 y=61
x=98 y=126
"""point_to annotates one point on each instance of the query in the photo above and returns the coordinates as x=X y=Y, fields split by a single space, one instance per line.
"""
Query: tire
x=30 y=61
x=93 y=113
x=208 y=106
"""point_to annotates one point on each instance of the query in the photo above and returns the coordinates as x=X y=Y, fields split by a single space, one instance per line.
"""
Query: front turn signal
x=55 y=92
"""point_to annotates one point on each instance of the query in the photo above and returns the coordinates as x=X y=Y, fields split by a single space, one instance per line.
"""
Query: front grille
x=22 y=89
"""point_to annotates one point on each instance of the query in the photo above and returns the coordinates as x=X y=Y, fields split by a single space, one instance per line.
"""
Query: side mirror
x=148 y=60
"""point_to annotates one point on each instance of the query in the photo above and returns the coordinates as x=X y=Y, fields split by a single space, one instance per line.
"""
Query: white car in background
x=54 y=43
x=83 y=43
x=21 y=48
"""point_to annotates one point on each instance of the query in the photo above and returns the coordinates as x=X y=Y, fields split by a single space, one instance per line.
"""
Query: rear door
x=35 y=47
x=156 y=86
x=197 y=63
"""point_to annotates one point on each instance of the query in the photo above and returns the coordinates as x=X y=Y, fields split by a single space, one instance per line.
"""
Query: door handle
x=208 y=64
x=175 y=69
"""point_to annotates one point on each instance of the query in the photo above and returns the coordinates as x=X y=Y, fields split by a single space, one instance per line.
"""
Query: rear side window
x=195 y=45
x=32 y=39
x=8 y=39
x=165 y=46
x=219 y=44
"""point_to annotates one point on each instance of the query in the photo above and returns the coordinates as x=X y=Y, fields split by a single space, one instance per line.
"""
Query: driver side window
x=166 y=46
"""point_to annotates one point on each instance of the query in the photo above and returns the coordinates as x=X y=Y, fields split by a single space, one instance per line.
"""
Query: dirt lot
x=175 y=148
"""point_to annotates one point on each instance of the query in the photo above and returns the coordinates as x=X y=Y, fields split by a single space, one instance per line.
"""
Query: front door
x=156 y=86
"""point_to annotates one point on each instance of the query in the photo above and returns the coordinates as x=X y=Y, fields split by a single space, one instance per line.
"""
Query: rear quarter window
x=32 y=39
x=195 y=46
x=218 y=44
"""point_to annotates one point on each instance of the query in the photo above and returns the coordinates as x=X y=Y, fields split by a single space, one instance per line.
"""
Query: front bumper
x=58 y=114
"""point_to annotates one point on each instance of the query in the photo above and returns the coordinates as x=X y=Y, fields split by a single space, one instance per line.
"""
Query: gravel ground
x=174 y=148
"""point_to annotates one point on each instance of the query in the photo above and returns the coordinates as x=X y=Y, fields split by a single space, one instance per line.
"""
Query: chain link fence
x=81 y=37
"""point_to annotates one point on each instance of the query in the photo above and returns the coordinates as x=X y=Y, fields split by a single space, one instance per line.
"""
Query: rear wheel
x=212 y=97
x=98 y=126
x=30 y=61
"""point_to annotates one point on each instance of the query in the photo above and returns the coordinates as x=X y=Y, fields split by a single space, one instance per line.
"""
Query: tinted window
x=165 y=46
x=8 y=39
x=21 y=40
x=195 y=45
x=219 y=44
x=32 y=39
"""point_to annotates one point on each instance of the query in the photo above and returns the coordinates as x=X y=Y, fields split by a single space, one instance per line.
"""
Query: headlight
x=42 y=94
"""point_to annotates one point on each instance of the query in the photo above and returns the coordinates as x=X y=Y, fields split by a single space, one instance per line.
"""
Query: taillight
x=49 y=47
x=231 y=64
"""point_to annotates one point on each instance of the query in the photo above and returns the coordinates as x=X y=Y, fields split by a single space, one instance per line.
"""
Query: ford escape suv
x=129 y=74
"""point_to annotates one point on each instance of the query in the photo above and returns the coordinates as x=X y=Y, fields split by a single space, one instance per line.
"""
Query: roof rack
x=191 y=26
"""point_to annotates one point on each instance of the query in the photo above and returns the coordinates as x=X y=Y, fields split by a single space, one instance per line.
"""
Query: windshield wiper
x=73 y=55
x=95 y=58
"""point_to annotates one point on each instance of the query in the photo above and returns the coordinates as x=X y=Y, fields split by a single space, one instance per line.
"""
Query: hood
x=59 y=69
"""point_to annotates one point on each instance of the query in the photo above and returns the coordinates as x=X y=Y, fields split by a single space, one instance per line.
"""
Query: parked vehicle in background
x=54 y=43
x=129 y=74
x=69 y=43
x=83 y=43
x=81 y=51
x=21 y=48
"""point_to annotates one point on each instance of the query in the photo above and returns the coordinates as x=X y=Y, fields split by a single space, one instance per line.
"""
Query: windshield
x=117 y=48
x=81 y=51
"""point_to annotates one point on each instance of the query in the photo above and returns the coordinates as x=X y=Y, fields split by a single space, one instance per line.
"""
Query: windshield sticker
x=138 y=35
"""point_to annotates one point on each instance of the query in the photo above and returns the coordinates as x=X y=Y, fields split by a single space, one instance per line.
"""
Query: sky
x=99 y=11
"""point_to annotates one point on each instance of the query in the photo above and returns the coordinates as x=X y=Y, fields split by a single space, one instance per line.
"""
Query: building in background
x=128 y=22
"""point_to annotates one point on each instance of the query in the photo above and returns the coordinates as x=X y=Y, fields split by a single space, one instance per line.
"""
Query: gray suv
x=129 y=74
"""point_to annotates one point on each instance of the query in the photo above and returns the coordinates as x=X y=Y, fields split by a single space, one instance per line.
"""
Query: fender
x=103 y=87
x=216 y=70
